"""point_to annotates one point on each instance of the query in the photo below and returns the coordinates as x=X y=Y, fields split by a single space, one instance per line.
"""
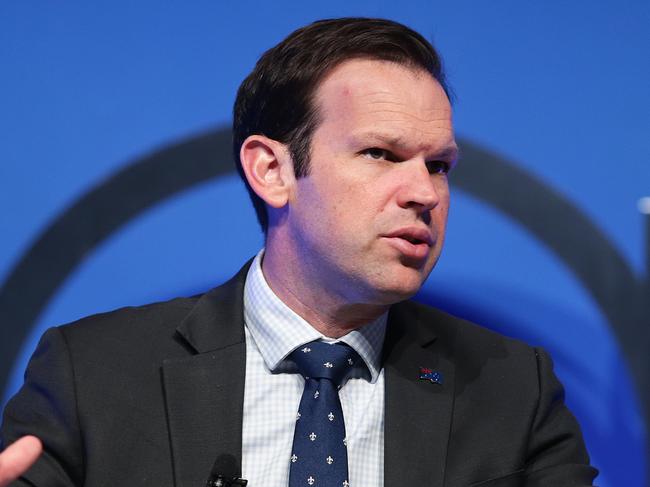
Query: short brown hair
x=276 y=99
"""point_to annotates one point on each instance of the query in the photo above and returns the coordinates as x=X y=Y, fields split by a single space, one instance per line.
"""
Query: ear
x=268 y=169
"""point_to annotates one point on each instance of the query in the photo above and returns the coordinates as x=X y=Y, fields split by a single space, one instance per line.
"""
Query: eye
x=378 y=154
x=438 y=167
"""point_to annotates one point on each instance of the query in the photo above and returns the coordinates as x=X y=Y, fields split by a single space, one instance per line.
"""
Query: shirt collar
x=277 y=330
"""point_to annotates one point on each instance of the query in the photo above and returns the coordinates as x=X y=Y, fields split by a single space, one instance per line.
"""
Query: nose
x=420 y=190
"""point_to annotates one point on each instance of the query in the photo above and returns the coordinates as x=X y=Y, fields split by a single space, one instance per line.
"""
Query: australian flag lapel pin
x=431 y=375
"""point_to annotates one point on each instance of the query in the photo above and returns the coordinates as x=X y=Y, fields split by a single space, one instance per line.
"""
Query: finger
x=18 y=457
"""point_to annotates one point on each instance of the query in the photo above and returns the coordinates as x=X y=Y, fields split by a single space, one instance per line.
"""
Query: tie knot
x=320 y=360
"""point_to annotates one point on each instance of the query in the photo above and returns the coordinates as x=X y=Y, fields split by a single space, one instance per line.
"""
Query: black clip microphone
x=225 y=473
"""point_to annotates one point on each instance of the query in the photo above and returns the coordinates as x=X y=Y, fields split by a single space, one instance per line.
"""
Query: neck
x=330 y=314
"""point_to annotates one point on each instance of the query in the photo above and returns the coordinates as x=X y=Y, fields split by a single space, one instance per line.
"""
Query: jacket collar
x=217 y=319
x=417 y=412
x=204 y=392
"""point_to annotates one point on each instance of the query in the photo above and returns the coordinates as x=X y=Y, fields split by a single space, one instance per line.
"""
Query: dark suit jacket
x=152 y=395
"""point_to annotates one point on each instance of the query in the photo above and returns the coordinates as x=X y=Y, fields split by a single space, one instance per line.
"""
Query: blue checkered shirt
x=274 y=388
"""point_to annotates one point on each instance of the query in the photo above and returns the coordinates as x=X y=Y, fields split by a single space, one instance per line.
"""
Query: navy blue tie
x=319 y=457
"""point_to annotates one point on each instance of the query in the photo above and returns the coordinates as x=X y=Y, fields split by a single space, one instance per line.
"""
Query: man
x=344 y=138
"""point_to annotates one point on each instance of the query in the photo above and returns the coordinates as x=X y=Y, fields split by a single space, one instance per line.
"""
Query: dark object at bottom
x=222 y=481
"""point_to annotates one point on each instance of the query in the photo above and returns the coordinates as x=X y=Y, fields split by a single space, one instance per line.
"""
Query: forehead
x=363 y=95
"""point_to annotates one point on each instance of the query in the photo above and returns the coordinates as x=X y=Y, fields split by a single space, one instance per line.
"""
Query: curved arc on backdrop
x=575 y=239
x=111 y=204
x=101 y=211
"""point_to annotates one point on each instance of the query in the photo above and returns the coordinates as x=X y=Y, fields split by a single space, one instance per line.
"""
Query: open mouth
x=412 y=243
x=413 y=240
x=413 y=235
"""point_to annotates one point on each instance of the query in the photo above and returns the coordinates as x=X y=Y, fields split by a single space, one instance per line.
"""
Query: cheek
x=335 y=212
x=353 y=199
x=445 y=201
x=444 y=197
x=441 y=212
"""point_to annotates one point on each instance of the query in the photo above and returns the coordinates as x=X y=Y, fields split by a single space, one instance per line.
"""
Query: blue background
x=561 y=88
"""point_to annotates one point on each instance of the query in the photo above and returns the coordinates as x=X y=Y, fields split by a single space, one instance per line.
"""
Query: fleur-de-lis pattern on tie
x=319 y=457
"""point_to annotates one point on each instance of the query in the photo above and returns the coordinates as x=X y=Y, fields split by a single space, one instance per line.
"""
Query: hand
x=18 y=457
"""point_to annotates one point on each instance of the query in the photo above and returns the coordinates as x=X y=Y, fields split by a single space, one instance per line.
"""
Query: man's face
x=368 y=222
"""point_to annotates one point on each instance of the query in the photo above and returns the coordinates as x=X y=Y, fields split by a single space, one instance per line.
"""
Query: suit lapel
x=204 y=392
x=418 y=412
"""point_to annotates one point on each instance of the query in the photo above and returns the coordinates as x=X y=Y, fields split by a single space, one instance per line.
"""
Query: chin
x=400 y=287
x=406 y=280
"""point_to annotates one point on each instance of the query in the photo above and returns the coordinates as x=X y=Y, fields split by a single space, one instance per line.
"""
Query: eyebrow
x=451 y=151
